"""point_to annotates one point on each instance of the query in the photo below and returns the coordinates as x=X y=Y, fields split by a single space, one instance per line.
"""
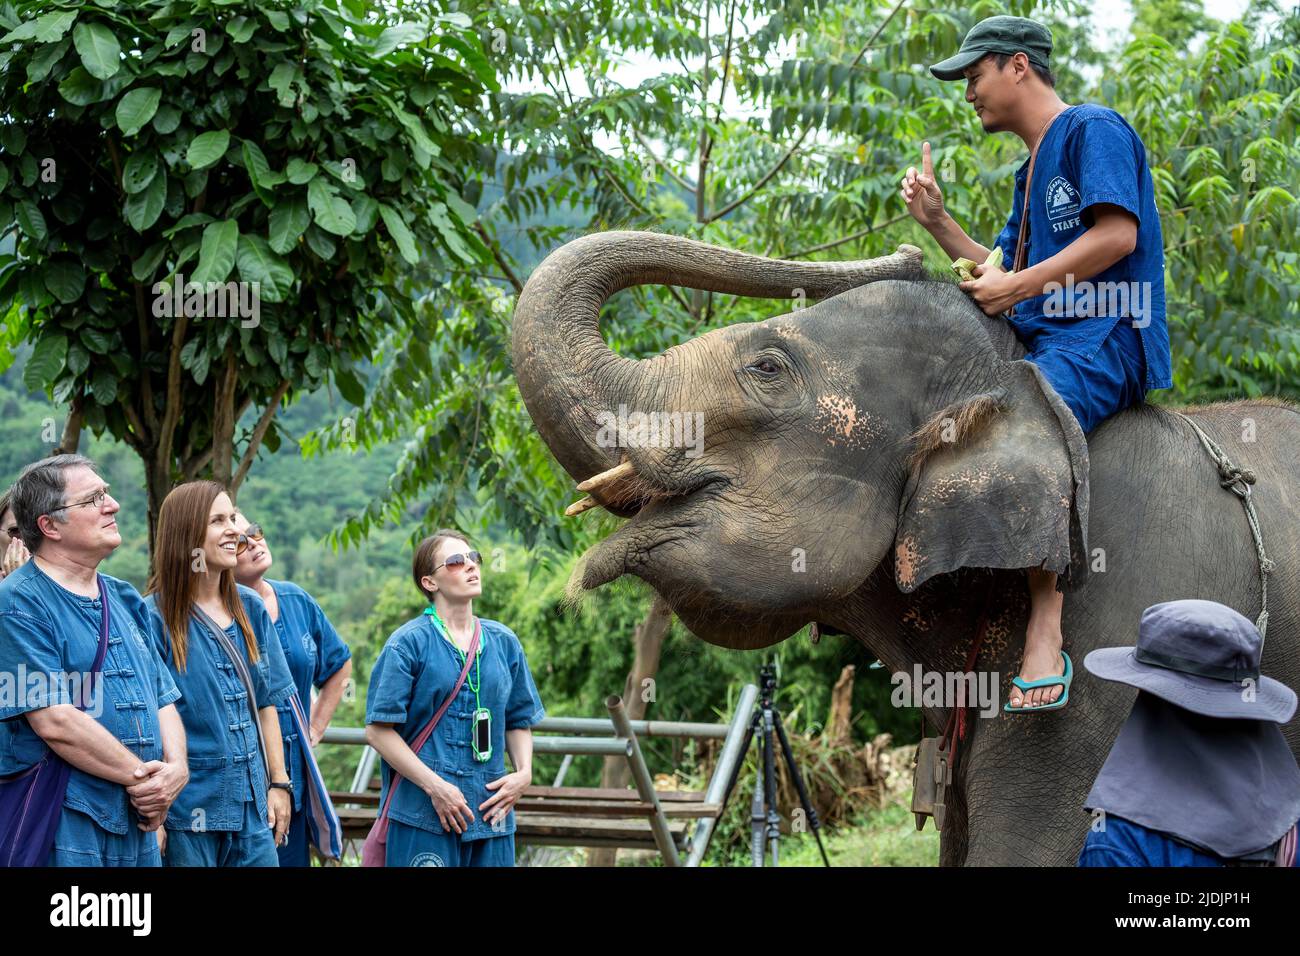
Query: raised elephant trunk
x=566 y=372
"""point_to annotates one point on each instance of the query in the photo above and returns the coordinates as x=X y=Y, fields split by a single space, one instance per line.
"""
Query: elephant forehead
x=839 y=418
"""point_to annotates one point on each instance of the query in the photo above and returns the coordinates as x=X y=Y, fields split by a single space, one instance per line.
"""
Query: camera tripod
x=765 y=823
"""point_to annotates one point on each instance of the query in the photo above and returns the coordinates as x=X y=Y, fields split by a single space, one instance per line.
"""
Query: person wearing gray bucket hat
x=1083 y=220
x=1200 y=774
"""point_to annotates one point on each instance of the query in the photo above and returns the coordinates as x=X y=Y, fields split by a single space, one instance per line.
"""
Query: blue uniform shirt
x=415 y=672
x=314 y=652
x=1124 y=843
x=46 y=629
x=1092 y=155
x=225 y=759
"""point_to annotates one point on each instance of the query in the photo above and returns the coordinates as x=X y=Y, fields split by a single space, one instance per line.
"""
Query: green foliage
x=299 y=145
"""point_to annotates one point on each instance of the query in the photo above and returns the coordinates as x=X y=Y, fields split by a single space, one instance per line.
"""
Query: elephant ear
x=997 y=480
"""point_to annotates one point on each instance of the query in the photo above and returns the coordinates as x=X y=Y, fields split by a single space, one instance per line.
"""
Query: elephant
x=893 y=436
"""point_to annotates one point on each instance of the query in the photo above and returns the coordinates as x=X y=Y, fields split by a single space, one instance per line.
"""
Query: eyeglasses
x=254 y=533
x=456 y=560
x=12 y=531
x=97 y=499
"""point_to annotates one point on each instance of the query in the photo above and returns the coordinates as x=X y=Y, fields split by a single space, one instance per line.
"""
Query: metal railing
x=617 y=736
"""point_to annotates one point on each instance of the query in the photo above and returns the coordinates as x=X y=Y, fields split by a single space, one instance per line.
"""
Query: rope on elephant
x=1238 y=481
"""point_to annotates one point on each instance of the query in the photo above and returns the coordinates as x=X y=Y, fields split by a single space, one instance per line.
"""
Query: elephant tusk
x=578 y=507
x=622 y=470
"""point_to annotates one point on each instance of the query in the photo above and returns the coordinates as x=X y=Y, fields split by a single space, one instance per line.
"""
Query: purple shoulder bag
x=31 y=801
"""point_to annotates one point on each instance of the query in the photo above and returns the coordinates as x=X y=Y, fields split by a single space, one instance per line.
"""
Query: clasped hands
x=159 y=785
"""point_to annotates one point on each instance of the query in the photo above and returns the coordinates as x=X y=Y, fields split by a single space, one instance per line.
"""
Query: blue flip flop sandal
x=1024 y=685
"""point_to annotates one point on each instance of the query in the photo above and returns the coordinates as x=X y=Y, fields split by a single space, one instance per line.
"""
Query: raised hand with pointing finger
x=921 y=193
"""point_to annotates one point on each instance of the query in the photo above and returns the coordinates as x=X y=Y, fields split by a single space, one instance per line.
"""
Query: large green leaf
x=298 y=172
x=80 y=88
x=332 y=213
x=103 y=385
x=30 y=219
x=395 y=36
x=258 y=263
x=44 y=29
x=65 y=278
x=289 y=219
x=143 y=209
x=400 y=233
x=136 y=108
x=45 y=362
x=139 y=170
x=100 y=52
x=206 y=148
x=217 y=252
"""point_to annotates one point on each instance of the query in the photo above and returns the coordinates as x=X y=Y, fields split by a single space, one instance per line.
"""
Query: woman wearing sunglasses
x=317 y=657
x=454 y=803
x=13 y=553
x=223 y=653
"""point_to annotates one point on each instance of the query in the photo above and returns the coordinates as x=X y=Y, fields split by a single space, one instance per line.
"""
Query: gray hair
x=39 y=491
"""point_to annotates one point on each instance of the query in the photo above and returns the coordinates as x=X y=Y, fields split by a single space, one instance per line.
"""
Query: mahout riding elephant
x=886 y=463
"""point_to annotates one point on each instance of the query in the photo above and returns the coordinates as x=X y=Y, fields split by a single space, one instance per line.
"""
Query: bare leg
x=1042 y=640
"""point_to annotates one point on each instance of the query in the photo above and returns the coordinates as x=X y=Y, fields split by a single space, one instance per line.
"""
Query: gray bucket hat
x=1202 y=656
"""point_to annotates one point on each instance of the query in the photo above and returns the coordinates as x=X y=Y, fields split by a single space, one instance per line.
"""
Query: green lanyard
x=477 y=682
x=482 y=717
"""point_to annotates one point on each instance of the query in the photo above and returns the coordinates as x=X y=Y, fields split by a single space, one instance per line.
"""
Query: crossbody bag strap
x=424 y=734
x=1017 y=261
x=241 y=670
x=102 y=650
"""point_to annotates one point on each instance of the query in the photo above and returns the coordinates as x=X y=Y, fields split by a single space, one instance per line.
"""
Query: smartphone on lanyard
x=482 y=740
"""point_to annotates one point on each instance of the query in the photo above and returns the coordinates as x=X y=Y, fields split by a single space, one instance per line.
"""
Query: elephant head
x=891 y=420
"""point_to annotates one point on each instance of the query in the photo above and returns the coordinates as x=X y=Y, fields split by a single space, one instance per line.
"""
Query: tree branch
x=146 y=384
x=72 y=429
x=679 y=180
x=255 y=439
x=499 y=256
x=791 y=151
x=172 y=408
x=839 y=242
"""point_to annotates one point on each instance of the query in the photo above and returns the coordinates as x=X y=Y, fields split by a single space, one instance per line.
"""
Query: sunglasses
x=254 y=533
x=12 y=531
x=456 y=560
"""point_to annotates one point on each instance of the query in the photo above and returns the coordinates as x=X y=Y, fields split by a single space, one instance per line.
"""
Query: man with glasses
x=126 y=744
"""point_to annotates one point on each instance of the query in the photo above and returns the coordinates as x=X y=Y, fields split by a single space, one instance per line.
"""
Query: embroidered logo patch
x=427 y=859
x=1062 y=198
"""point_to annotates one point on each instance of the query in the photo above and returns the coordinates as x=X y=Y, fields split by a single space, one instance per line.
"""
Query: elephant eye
x=765 y=367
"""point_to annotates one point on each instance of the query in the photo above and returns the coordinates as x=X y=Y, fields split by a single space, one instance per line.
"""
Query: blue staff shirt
x=1125 y=843
x=314 y=652
x=225 y=758
x=1092 y=155
x=415 y=672
x=48 y=630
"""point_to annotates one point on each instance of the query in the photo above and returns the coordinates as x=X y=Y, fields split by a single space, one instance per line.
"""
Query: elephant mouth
x=660 y=519
x=625 y=492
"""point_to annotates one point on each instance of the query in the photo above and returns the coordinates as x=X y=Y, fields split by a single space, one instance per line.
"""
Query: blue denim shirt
x=225 y=759
x=314 y=652
x=415 y=672
x=1125 y=843
x=47 y=629
x=1091 y=155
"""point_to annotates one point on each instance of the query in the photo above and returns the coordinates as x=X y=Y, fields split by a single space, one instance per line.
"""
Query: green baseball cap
x=1008 y=35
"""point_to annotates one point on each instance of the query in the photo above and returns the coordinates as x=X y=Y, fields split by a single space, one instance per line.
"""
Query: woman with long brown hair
x=221 y=647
